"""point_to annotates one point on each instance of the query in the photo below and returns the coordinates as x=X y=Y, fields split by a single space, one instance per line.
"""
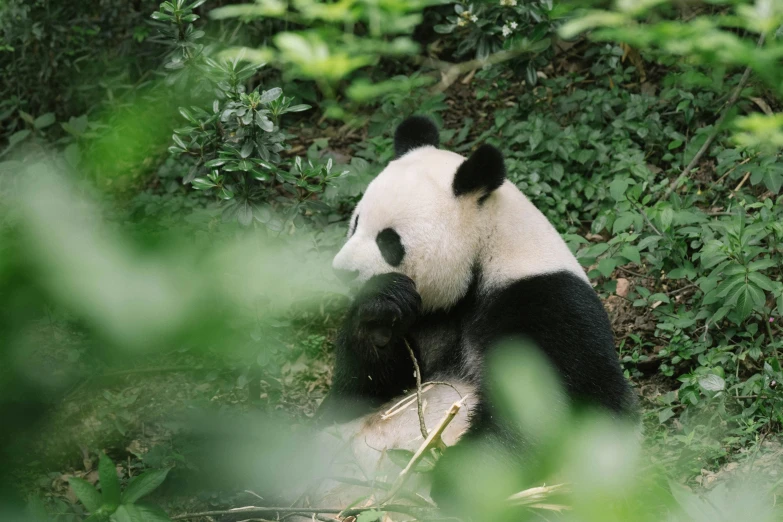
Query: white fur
x=357 y=449
x=445 y=236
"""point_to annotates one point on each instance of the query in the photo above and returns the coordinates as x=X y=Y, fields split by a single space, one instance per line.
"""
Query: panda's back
x=558 y=311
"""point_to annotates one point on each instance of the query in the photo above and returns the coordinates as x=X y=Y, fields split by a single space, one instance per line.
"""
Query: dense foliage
x=175 y=176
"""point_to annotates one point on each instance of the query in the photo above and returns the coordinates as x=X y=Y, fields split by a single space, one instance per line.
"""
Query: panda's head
x=424 y=216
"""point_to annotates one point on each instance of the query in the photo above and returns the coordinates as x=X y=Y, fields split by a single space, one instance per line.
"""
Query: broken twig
x=431 y=441
x=419 y=404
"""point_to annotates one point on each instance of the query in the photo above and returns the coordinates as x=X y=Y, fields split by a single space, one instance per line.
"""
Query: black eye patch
x=390 y=245
x=355 y=224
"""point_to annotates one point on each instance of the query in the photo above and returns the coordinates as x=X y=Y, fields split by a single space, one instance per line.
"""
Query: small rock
x=623 y=287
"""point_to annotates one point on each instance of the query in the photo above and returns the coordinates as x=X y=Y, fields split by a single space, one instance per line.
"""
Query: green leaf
x=761 y=281
x=202 y=184
x=631 y=253
x=557 y=172
x=110 y=483
x=26 y=117
x=86 y=493
x=680 y=273
x=667 y=216
x=622 y=223
x=530 y=74
x=762 y=264
x=649 y=241
x=179 y=141
x=780 y=305
x=139 y=513
x=43 y=121
x=444 y=28
x=298 y=108
x=264 y=123
x=226 y=194
x=773 y=181
x=245 y=165
x=589 y=21
x=16 y=137
x=757 y=297
x=188 y=115
x=217 y=162
x=271 y=95
x=729 y=285
x=143 y=485
x=712 y=383
x=744 y=299
x=734 y=269
x=660 y=297
x=617 y=188
x=665 y=415
x=373 y=515
x=245 y=214
x=606 y=266
x=720 y=314
x=247 y=149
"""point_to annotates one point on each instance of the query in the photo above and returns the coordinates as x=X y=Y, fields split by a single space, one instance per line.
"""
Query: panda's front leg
x=372 y=363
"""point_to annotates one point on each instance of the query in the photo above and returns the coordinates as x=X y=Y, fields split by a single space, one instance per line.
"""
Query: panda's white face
x=436 y=216
x=409 y=221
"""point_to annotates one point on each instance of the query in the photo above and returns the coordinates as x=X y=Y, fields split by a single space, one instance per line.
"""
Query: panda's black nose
x=346 y=276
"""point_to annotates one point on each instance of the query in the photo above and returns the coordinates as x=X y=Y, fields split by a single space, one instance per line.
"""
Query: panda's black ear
x=415 y=132
x=482 y=172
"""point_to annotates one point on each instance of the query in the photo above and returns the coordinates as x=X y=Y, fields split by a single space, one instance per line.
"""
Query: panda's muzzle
x=346 y=276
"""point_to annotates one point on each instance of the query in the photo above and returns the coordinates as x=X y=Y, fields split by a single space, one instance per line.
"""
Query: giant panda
x=449 y=258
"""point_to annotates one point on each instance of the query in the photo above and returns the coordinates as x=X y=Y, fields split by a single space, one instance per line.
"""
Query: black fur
x=560 y=312
x=372 y=363
x=415 y=132
x=355 y=224
x=483 y=171
x=390 y=245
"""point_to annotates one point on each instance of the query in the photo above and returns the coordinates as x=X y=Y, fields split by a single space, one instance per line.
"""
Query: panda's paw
x=386 y=306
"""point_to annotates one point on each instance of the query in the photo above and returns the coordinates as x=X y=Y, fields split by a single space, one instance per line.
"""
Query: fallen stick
x=533 y=497
x=401 y=405
x=428 y=443
x=419 y=404
x=254 y=510
x=740 y=184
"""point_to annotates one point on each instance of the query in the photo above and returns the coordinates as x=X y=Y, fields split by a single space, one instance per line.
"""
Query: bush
x=53 y=52
x=483 y=28
x=236 y=144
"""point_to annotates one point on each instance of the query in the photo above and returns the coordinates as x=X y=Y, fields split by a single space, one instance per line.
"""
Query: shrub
x=53 y=52
x=236 y=143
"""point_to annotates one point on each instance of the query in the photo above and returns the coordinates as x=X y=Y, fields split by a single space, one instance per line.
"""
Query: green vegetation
x=175 y=178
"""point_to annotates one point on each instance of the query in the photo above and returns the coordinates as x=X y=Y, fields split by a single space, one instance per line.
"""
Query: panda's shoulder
x=559 y=286
x=560 y=303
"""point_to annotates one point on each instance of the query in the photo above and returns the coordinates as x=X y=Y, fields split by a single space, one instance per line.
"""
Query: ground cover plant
x=175 y=177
